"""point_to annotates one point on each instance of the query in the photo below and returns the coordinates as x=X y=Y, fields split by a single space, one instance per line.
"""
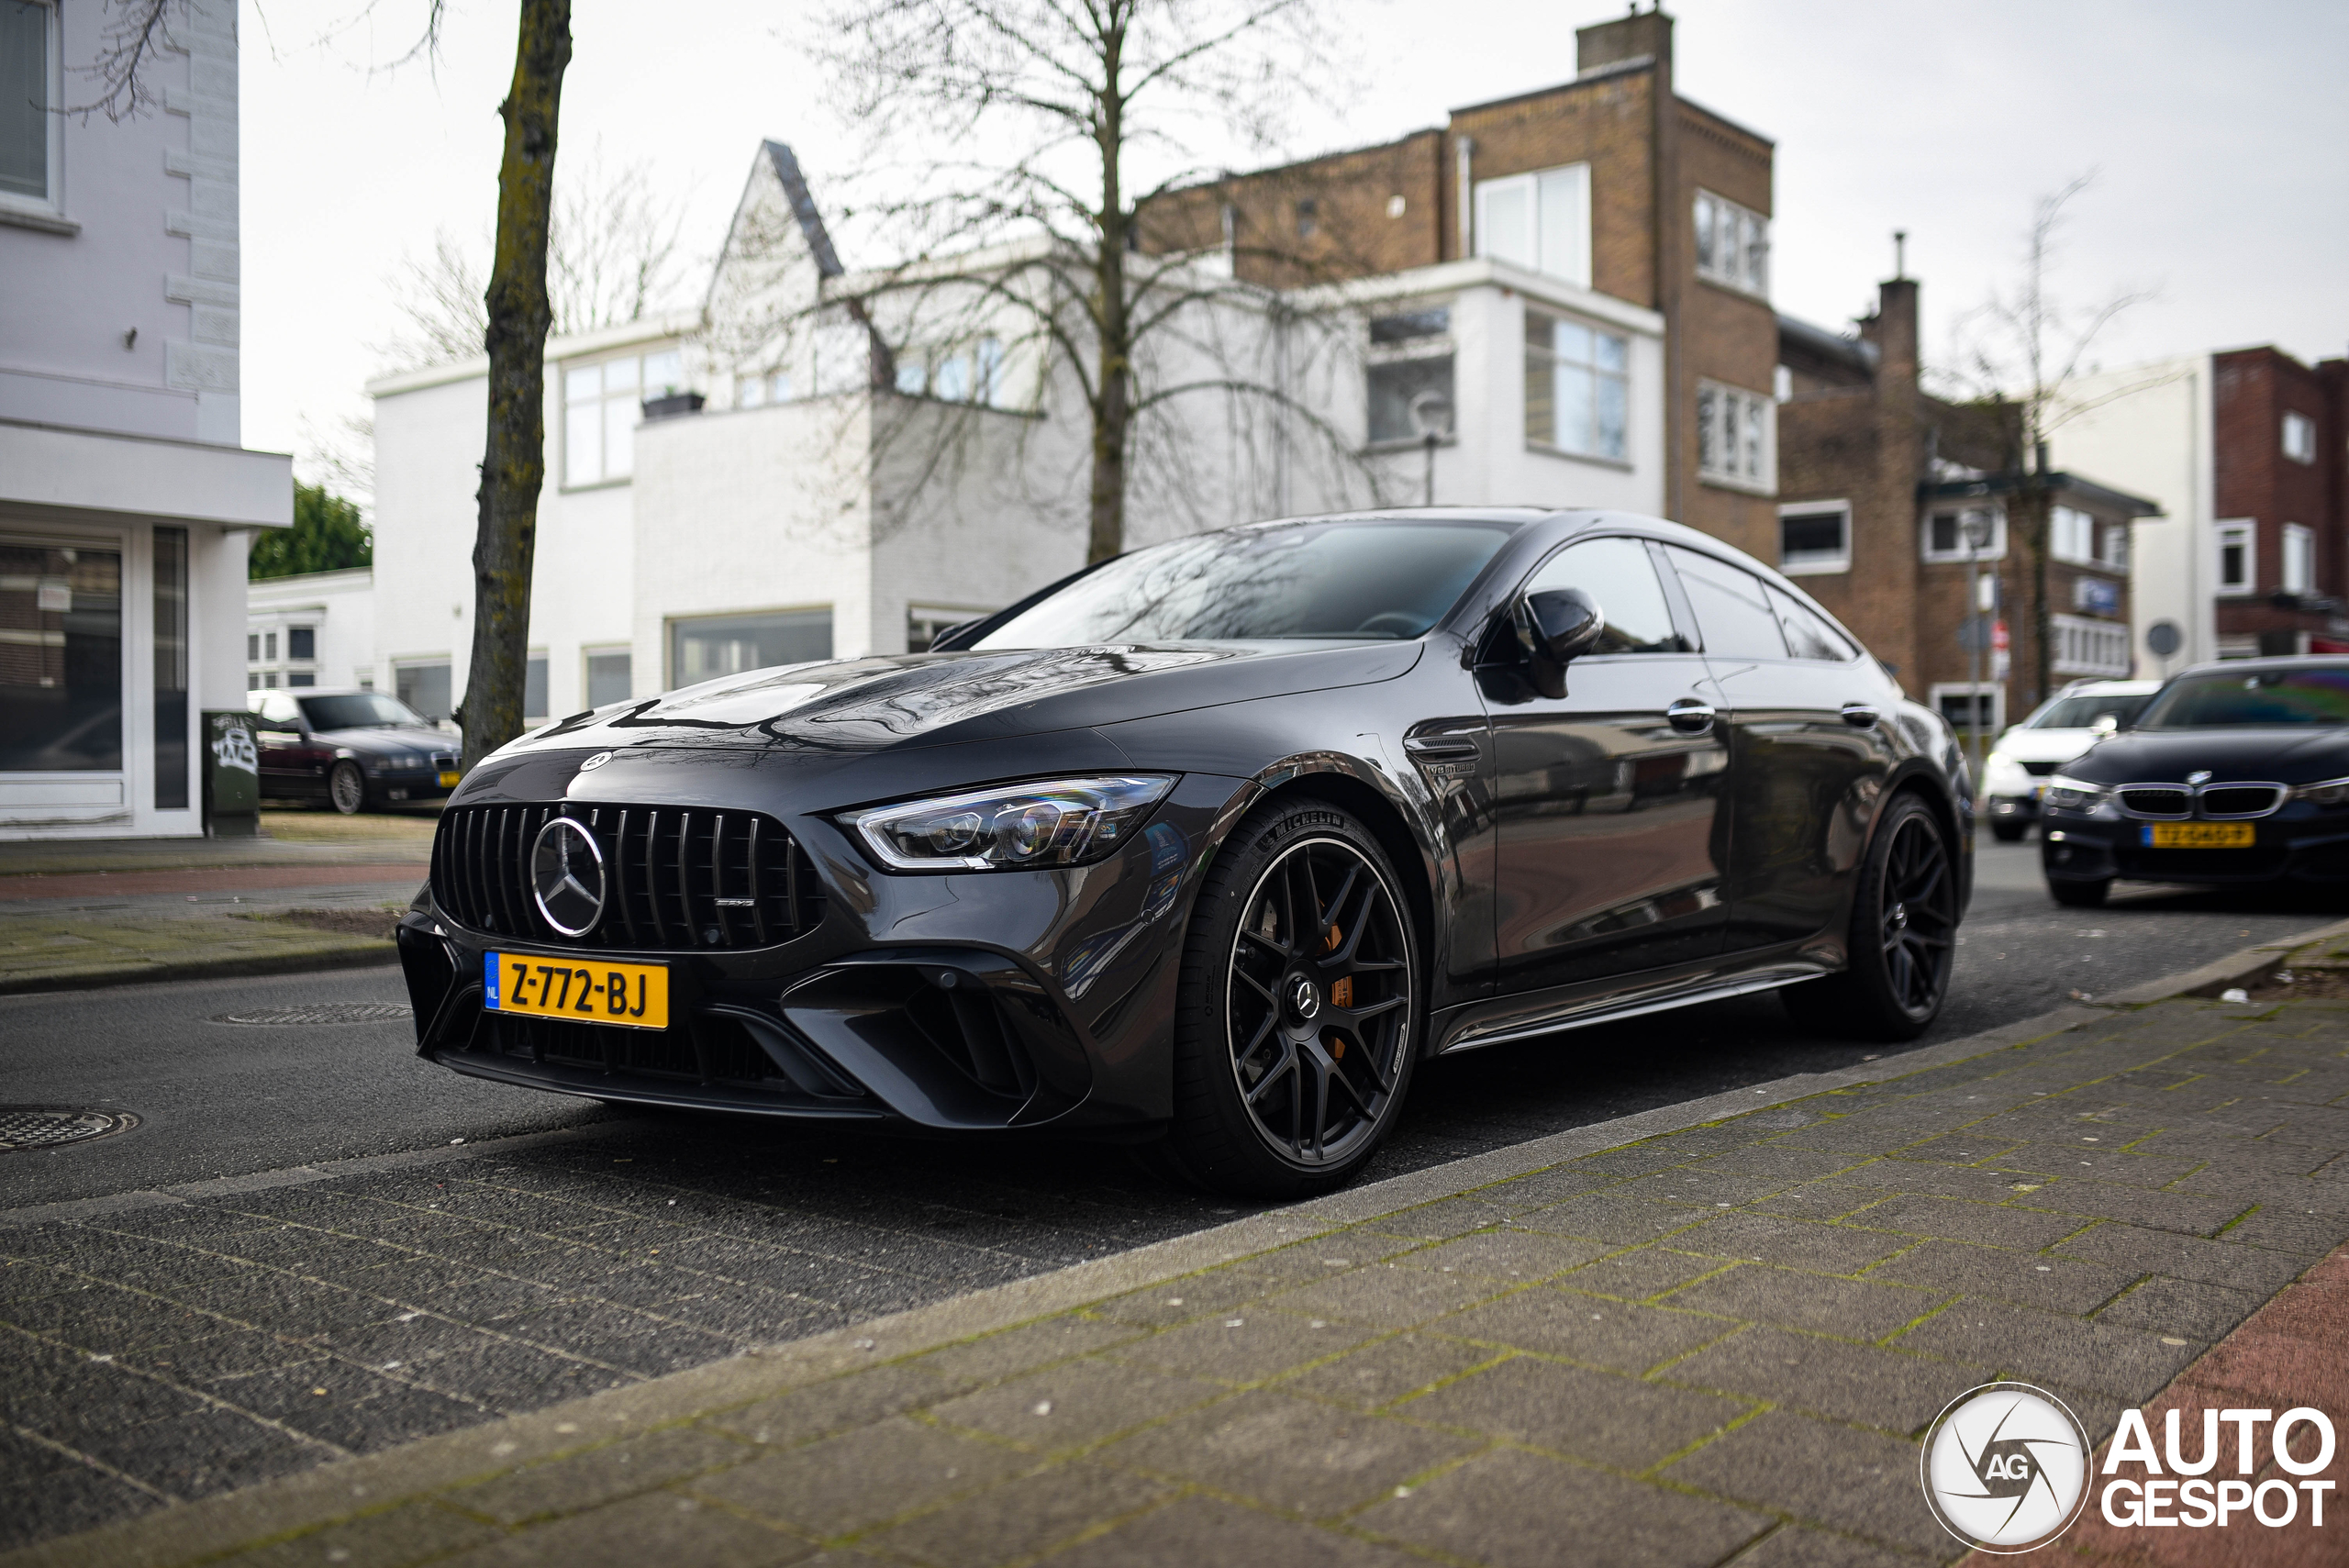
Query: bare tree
x=1016 y=143
x=2022 y=351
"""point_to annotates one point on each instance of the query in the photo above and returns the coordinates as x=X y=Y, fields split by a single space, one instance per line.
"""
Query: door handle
x=1440 y=749
x=1689 y=716
x=1859 y=715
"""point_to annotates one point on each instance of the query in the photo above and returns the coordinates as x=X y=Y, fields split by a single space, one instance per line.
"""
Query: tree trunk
x=514 y=463
x=1112 y=319
x=2042 y=623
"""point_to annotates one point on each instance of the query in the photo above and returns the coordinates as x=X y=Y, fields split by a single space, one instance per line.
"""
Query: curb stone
x=2245 y=968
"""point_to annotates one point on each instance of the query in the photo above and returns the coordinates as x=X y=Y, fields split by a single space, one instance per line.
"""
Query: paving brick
x=1955 y=1219
x=1639 y=1159
x=1386 y=1370
x=1793 y=1546
x=1862 y=1482
x=413 y=1533
x=1180 y=1300
x=2184 y=1257
x=1611 y=1217
x=601 y=1475
x=1244 y=1350
x=2099 y=1162
x=63 y=1502
x=1638 y=1274
x=1513 y=1510
x=1790 y=1243
x=1862 y=1134
x=2043 y=1346
x=1016 y=1351
x=1287 y=1453
x=2307 y=1233
x=1708 y=1188
x=1386 y=1295
x=1774 y=1160
x=2154 y=1210
x=1960 y=1148
x=1513 y=1256
x=1862 y=1384
x=361 y=1410
x=1607 y=1419
x=838 y=1404
x=643 y=1530
x=2182 y=1308
x=1075 y=1402
x=1196 y=1530
x=1851 y=1309
x=2045 y=1280
x=1555 y=1185
x=1823 y=1200
x=1984 y=1184
x=861 y=1478
x=1580 y=1327
x=1454 y=1217
x=1021 y=1518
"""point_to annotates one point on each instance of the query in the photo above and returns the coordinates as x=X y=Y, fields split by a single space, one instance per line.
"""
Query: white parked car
x=2016 y=772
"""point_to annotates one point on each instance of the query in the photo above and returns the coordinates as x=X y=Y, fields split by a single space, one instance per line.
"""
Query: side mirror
x=1555 y=626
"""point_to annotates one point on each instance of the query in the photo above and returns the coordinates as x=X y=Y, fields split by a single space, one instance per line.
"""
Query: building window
x=756 y=389
x=2089 y=646
x=1411 y=356
x=1733 y=436
x=608 y=678
x=1967 y=707
x=2071 y=535
x=252 y=648
x=2115 y=553
x=2299 y=438
x=1576 y=392
x=2238 y=555
x=534 y=689
x=1815 y=537
x=1539 y=221
x=171 y=669
x=302 y=678
x=269 y=647
x=302 y=643
x=423 y=684
x=2299 y=559
x=29 y=86
x=966 y=373
x=923 y=623
x=1945 y=534
x=602 y=404
x=1308 y=220
x=1732 y=244
x=705 y=647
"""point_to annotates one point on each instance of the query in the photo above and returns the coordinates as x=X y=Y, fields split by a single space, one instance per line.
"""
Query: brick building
x=1876 y=484
x=2280 y=464
x=1611 y=183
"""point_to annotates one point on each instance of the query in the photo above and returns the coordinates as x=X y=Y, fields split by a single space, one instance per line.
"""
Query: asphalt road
x=153 y=1350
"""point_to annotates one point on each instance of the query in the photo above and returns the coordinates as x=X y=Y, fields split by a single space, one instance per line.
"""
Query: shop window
x=60 y=659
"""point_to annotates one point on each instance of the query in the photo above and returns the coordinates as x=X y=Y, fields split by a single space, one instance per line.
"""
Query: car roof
x=2105 y=689
x=2294 y=661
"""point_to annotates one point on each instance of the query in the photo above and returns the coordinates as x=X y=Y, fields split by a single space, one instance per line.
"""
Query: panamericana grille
x=674 y=877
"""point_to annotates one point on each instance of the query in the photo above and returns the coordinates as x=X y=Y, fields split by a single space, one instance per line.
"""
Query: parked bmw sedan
x=2235 y=773
x=350 y=749
x=1208 y=846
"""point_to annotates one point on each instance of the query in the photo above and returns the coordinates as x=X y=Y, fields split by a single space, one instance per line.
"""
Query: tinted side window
x=1807 y=635
x=1618 y=574
x=1732 y=607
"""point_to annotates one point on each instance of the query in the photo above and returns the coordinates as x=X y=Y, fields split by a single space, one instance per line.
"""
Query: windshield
x=2082 y=712
x=357 y=711
x=1305 y=580
x=2306 y=695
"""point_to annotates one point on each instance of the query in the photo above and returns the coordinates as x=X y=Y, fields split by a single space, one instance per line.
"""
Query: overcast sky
x=2216 y=132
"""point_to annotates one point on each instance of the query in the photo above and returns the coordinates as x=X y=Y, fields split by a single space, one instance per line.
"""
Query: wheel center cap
x=1304 y=998
x=1900 y=917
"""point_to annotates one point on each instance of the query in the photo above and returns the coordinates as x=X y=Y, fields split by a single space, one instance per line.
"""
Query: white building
x=314 y=629
x=818 y=463
x=2150 y=429
x=126 y=501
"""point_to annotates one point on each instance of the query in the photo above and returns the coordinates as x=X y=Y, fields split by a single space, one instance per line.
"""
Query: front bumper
x=2300 y=843
x=971 y=1001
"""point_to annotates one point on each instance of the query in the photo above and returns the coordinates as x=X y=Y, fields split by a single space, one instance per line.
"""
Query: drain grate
x=321 y=1013
x=46 y=1127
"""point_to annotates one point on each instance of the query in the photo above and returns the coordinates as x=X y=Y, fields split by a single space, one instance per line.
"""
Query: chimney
x=1893 y=331
x=1643 y=35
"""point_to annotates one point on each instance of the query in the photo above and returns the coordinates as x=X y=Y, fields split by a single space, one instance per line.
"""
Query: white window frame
x=2299 y=559
x=1596 y=372
x=1994 y=551
x=2299 y=436
x=939 y=617
x=1994 y=690
x=1821 y=566
x=1725 y=415
x=1565 y=186
x=2114 y=545
x=2083 y=646
x=2069 y=529
x=51 y=207
x=2235 y=530
x=642 y=358
x=1747 y=268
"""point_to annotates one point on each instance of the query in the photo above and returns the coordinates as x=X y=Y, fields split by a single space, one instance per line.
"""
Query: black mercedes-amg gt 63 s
x=1208 y=846
x=2233 y=774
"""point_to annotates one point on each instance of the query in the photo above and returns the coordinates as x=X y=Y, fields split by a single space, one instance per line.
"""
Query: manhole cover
x=321 y=1012
x=45 y=1127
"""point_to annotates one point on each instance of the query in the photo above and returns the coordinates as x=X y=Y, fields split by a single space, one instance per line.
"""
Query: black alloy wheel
x=345 y=788
x=1903 y=936
x=1300 y=1011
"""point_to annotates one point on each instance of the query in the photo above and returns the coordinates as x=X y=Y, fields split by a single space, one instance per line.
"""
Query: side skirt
x=1573 y=1007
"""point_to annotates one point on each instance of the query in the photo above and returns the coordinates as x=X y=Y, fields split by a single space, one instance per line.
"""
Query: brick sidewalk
x=1720 y=1344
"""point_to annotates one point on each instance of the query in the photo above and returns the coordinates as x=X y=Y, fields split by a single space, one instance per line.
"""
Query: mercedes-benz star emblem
x=1303 y=996
x=598 y=760
x=567 y=877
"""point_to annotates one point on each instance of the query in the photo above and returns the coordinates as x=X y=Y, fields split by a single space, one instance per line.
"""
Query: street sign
x=2162 y=638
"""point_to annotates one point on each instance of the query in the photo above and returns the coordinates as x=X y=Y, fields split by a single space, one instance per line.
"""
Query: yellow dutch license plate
x=2198 y=836
x=632 y=995
x=448 y=778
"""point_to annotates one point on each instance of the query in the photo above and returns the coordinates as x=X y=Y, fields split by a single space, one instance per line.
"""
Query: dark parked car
x=350 y=749
x=2234 y=773
x=1210 y=845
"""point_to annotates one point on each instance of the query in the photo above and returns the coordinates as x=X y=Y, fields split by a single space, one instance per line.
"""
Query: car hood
x=375 y=739
x=923 y=699
x=2044 y=745
x=2291 y=755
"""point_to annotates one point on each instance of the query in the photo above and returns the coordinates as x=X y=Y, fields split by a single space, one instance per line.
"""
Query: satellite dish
x=2164 y=639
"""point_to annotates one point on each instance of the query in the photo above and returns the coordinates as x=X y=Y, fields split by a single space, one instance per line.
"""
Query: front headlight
x=1057 y=822
x=2075 y=794
x=2332 y=792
